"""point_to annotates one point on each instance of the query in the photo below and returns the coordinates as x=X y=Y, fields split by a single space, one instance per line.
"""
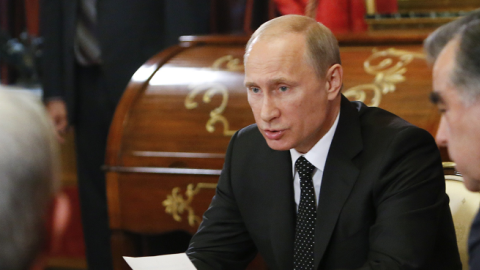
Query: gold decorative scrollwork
x=229 y=63
x=175 y=204
x=215 y=114
x=387 y=74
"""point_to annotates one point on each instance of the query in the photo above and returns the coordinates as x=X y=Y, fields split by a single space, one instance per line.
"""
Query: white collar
x=318 y=154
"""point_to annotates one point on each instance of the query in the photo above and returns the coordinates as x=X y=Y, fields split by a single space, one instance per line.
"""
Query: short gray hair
x=437 y=40
x=322 y=46
x=466 y=72
x=28 y=177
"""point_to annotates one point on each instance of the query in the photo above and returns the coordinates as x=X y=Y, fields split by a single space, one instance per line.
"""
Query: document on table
x=178 y=261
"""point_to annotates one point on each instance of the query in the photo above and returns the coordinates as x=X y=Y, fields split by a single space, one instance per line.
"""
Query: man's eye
x=255 y=90
x=283 y=88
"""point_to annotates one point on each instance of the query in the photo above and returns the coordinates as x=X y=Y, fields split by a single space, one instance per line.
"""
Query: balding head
x=322 y=46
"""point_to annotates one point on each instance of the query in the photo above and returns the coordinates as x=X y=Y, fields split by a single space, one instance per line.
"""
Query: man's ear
x=60 y=217
x=334 y=80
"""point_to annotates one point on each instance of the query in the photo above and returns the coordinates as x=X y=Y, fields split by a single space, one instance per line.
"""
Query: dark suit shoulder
x=400 y=169
x=474 y=243
x=251 y=130
x=379 y=117
x=379 y=123
x=249 y=138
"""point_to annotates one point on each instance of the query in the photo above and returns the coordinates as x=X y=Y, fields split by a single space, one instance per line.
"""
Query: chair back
x=464 y=205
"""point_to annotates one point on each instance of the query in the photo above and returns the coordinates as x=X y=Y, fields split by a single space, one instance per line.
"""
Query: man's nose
x=442 y=133
x=269 y=109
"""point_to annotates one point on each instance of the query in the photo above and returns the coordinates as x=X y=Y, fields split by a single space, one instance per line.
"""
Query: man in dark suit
x=456 y=82
x=367 y=188
x=83 y=86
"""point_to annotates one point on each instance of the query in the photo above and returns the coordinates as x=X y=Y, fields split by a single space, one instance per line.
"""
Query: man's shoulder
x=474 y=243
x=251 y=130
x=380 y=120
x=248 y=143
x=379 y=116
x=380 y=127
x=249 y=133
x=248 y=137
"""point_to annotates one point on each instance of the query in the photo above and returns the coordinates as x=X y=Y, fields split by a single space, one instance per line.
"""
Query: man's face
x=289 y=101
x=459 y=128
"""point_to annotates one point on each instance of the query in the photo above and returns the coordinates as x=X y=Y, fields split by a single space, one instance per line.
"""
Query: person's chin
x=278 y=145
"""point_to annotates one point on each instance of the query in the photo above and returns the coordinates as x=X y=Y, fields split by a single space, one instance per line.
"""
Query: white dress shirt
x=317 y=156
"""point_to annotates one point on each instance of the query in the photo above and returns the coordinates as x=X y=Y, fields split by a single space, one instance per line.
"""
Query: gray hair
x=322 y=46
x=466 y=72
x=28 y=177
x=437 y=40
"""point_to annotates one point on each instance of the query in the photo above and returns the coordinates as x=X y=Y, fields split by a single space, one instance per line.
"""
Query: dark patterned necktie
x=87 y=48
x=306 y=216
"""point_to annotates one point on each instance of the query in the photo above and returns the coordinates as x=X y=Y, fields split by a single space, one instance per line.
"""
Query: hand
x=58 y=112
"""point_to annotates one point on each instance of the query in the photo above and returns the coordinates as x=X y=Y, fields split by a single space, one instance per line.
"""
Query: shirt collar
x=318 y=154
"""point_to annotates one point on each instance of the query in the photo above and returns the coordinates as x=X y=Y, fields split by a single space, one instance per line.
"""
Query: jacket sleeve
x=51 y=62
x=222 y=240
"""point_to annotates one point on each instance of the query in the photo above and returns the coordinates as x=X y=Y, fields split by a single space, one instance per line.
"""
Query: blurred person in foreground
x=320 y=182
x=456 y=92
x=91 y=49
x=33 y=214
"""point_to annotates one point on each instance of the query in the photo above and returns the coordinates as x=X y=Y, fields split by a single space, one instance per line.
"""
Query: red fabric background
x=339 y=15
x=72 y=243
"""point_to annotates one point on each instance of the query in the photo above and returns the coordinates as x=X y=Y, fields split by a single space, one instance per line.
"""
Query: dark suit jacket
x=129 y=32
x=474 y=244
x=382 y=201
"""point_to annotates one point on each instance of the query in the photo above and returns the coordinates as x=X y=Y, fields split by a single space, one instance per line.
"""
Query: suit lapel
x=339 y=176
x=282 y=214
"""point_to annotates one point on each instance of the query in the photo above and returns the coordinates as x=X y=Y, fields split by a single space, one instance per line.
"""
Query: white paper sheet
x=178 y=261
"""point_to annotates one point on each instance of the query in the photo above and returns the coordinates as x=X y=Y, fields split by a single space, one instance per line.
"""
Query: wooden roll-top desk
x=171 y=129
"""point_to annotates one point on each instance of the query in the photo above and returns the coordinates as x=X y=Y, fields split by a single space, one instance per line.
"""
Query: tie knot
x=304 y=167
